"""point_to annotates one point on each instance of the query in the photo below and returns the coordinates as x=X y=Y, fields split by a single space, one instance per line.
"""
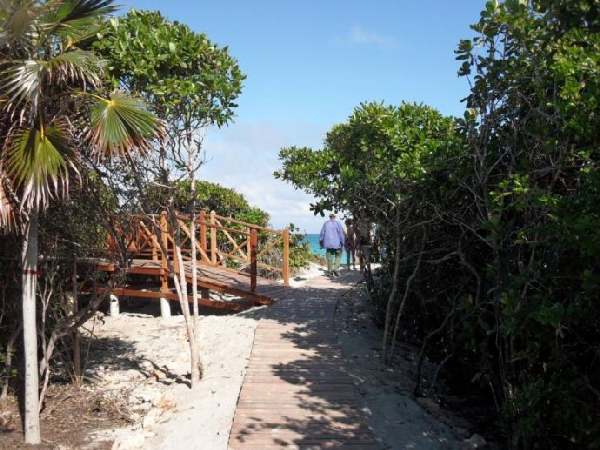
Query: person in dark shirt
x=350 y=243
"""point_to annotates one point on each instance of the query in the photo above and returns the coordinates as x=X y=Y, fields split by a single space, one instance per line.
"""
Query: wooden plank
x=230 y=238
x=144 y=293
x=253 y=244
x=213 y=239
x=285 y=438
x=348 y=430
x=295 y=394
x=286 y=257
x=199 y=247
x=214 y=278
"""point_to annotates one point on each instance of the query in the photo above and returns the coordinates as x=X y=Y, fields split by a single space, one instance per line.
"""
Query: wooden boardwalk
x=296 y=394
x=230 y=257
x=214 y=278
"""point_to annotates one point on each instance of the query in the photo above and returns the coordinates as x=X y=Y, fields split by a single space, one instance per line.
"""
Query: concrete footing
x=114 y=308
x=165 y=308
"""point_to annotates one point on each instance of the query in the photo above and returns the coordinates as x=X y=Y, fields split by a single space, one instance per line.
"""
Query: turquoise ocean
x=313 y=241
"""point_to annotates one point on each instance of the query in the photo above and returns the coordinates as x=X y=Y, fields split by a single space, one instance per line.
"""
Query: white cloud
x=244 y=157
x=361 y=36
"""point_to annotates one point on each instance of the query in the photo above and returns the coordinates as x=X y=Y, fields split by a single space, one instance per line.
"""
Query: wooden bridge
x=297 y=392
x=232 y=257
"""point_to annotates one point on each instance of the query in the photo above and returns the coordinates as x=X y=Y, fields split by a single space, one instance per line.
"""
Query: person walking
x=332 y=239
x=362 y=231
x=350 y=243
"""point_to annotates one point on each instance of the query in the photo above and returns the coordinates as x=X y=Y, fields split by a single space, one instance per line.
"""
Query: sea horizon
x=315 y=248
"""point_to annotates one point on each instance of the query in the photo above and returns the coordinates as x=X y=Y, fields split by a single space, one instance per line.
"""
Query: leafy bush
x=491 y=220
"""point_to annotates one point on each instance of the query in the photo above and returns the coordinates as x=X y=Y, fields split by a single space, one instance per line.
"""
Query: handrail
x=216 y=243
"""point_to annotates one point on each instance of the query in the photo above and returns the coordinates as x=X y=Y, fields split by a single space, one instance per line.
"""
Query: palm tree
x=54 y=107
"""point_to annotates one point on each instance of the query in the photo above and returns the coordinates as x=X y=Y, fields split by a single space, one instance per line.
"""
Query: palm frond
x=37 y=162
x=21 y=82
x=17 y=23
x=24 y=82
x=7 y=210
x=75 y=20
x=76 y=66
x=121 y=124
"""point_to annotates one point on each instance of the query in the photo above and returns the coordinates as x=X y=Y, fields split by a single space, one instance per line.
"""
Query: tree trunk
x=392 y=297
x=406 y=293
x=181 y=288
x=192 y=155
x=29 y=286
x=10 y=345
x=194 y=252
x=75 y=334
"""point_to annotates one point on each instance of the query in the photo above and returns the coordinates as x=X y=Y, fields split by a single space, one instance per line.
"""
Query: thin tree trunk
x=406 y=292
x=75 y=335
x=10 y=345
x=194 y=251
x=394 y=291
x=181 y=288
x=193 y=265
x=30 y=347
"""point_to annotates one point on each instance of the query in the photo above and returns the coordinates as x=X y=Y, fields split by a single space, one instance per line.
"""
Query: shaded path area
x=296 y=393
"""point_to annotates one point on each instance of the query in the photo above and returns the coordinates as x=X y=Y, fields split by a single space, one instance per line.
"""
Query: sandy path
x=204 y=417
x=396 y=417
x=146 y=359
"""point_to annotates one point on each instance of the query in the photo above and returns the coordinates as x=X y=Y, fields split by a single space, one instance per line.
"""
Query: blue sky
x=308 y=64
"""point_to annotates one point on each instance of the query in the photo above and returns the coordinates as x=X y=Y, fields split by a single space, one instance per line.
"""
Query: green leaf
x=121 y=124
x=38 y=161
x=77 y=66
x=20 y=82
x=17 y=21
x=76 y=20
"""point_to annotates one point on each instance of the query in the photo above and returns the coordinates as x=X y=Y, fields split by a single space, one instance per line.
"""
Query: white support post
x=114 y=306
x=165 y=308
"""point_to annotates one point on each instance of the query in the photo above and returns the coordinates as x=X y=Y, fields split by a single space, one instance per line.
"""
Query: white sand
x=147 y=359
x=398 y=420
x=168 y=414
x=313 y=270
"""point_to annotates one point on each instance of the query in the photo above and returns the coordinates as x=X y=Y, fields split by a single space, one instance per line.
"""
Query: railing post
x=213 y=238
x=285 y=270
x=164 y=242
x=203 y=241
x=253 y=244
x=165 y=307
x=248 y=245
x=153 y=241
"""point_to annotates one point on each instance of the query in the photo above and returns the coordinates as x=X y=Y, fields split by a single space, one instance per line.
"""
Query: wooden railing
x=220 y=242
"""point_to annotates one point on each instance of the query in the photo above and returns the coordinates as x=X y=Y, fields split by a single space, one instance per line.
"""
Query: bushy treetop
x=172 y=66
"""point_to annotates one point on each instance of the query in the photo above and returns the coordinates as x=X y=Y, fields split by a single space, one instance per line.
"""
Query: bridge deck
x=296 y=393
x=216 y=278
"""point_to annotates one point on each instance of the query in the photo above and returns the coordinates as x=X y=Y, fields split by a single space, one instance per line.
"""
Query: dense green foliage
x=54 y=105
x=300 y=252
x=58 y=120
x=374 y=158
x=492 y=226
x=180 y=72
x=224 y=201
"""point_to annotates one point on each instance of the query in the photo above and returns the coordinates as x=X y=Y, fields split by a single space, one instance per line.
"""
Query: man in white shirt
x=332 y=239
